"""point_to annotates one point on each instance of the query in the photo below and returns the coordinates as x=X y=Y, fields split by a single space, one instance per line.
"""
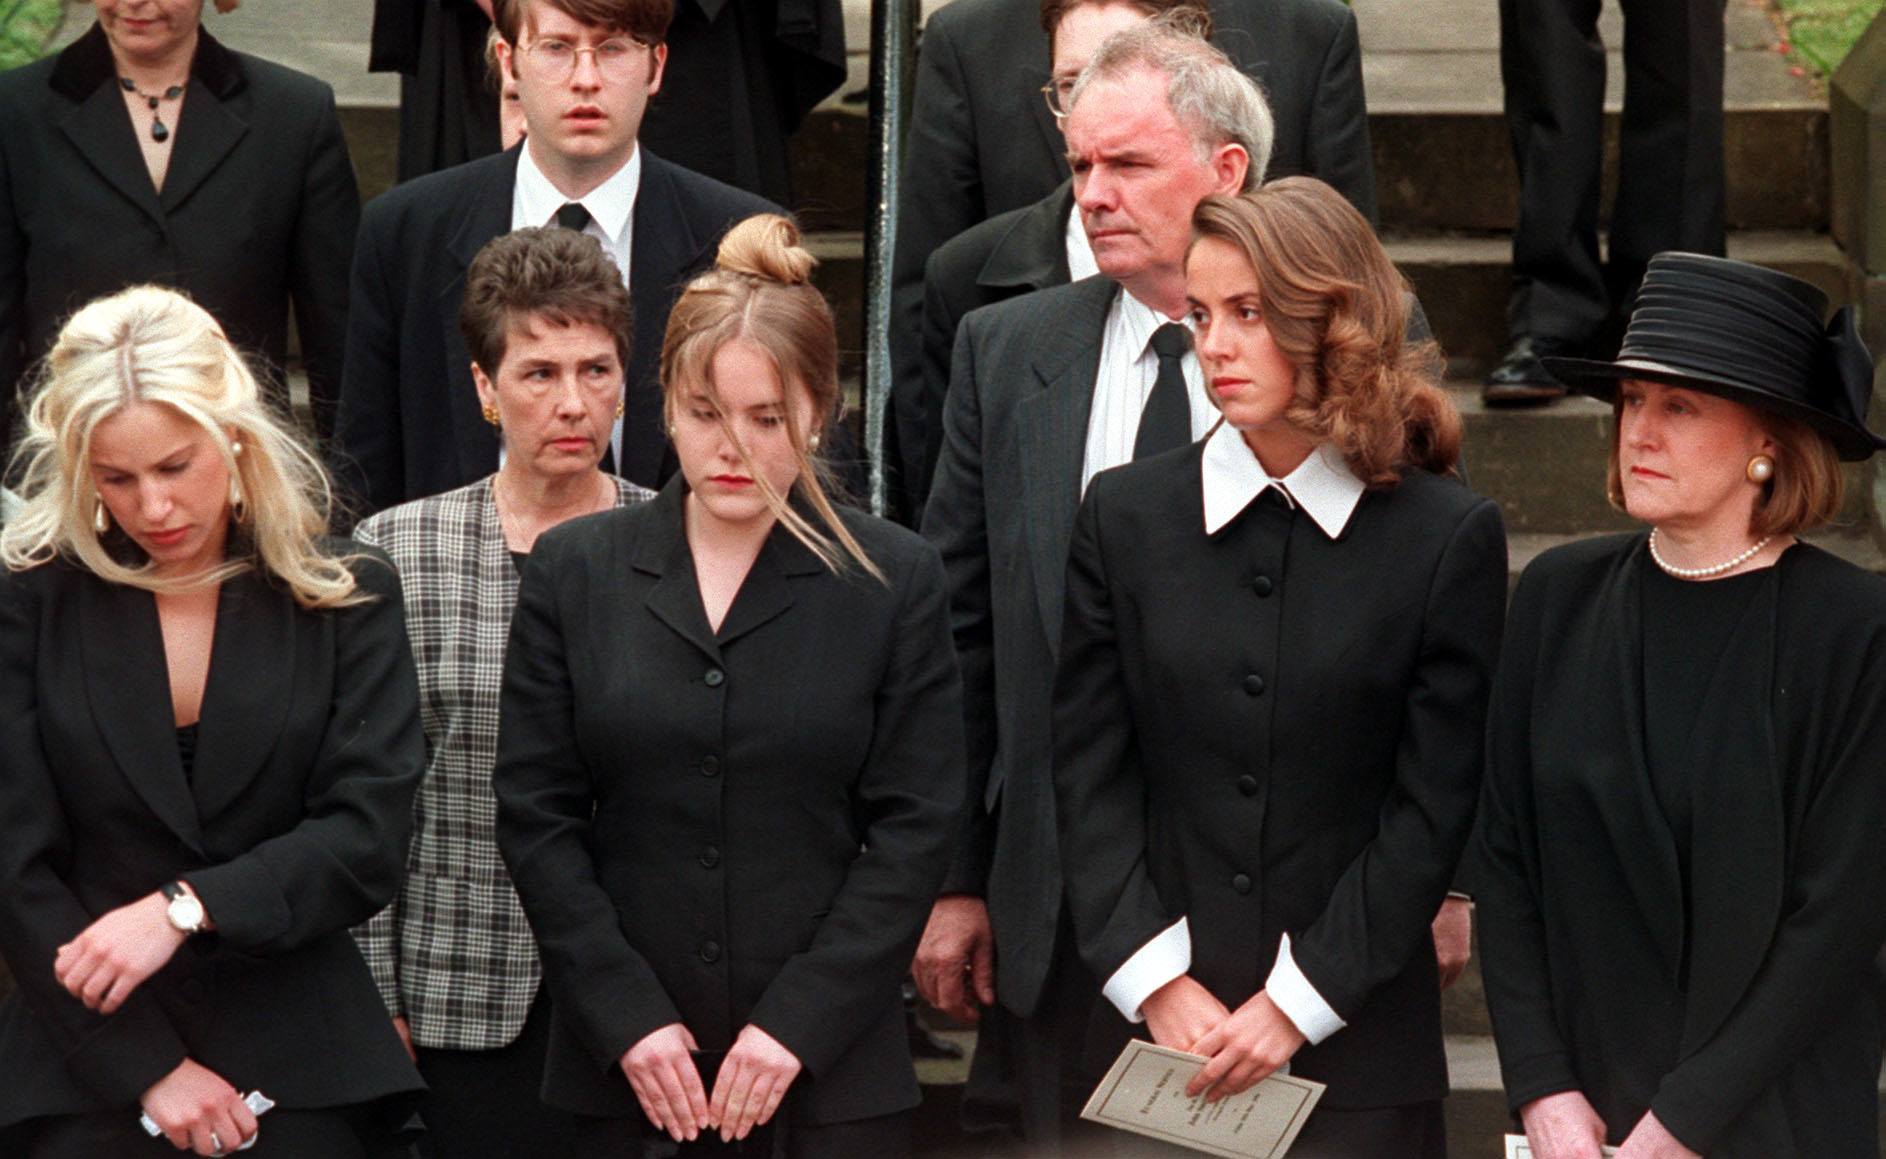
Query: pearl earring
x=1761 y=469
x=101 y=522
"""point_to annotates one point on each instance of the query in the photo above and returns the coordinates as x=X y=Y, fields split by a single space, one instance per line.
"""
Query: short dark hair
x=1052 y=12
x=643 y=19
x=548 y=272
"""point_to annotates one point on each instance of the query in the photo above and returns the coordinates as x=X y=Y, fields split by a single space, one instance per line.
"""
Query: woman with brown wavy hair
x=1273 y=678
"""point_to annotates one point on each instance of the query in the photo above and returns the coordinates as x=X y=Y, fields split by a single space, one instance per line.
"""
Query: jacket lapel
x=487 y=215
x=98 y=128
x=129 y=689
x=1054 y=437
x=767 y=591
x=207 y=130
x=251 y=685
x=1736 y=822
x=1033 y=253
x=662 y=250
x=662 y=551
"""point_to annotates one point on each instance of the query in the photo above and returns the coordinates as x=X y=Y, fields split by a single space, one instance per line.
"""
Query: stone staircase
x=1447 y=190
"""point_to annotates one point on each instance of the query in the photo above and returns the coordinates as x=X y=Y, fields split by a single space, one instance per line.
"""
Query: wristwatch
x=184 y=911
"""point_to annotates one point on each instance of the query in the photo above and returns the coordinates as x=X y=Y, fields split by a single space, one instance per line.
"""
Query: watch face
x=186 y=913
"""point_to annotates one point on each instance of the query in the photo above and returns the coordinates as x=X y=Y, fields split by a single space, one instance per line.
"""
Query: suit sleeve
x=318 y=264
x=955 y=520
x=924 y=423
x=1379 y=915
x=378 y=936
x=908 y=795
x=120 y=1055
x=367 y=455
x=1535 y=1060
x=1831 y=927
x=941 y=197
x=1099 y=789
x=344 y=860
x=1336 y=146
x=604 y=988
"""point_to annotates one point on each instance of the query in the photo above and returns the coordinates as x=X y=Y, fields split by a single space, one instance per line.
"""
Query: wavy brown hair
x=1333 y=302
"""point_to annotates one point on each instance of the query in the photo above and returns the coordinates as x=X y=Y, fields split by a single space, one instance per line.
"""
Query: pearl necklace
x=1692 y=573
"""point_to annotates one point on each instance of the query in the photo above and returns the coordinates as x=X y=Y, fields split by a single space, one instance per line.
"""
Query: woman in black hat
x=1682 y=842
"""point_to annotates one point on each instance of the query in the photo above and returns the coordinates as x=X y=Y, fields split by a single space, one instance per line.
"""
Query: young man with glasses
x=409 y=422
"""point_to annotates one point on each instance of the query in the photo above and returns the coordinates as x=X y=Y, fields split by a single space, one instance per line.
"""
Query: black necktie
x=573 y=216
x=1166 y=422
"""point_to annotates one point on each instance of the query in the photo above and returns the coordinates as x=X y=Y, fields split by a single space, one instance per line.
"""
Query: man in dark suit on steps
x=409 y=423
x=984 y=144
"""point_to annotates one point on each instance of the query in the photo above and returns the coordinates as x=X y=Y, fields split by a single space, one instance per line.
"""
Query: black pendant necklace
x=159 y=131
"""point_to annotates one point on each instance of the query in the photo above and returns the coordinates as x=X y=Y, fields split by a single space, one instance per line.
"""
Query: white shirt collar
x=1323 y=485
x=610 y=204
x=1081 y=262
x=1137 y=323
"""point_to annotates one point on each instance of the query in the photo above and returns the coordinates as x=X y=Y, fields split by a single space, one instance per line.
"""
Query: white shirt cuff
x=1167 y=956
x=1301 y=1004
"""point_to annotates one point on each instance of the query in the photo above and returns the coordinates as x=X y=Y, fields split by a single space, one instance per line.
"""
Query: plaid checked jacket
x=453 y=953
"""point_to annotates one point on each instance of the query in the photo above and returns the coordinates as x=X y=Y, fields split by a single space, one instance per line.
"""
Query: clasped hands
x=752 y=1081
x=1243 y=1046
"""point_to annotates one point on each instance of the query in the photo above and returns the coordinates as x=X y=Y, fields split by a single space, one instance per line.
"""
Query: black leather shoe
x=1521 y=379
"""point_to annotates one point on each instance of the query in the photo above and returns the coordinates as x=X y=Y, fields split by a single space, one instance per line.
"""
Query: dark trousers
x=344 y=1133
x=485 y=1104
x=1670 y=159
x=1418 y=1131
x=883 y=1137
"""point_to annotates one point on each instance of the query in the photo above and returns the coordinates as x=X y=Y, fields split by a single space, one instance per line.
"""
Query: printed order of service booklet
x=1144 y=1092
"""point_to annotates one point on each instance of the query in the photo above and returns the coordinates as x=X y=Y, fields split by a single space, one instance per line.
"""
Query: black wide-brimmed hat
x=1744 y=333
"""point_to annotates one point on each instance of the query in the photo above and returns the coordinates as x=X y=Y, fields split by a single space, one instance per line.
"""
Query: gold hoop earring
x=101 y=521
x=491 y=416
x=1761 y=469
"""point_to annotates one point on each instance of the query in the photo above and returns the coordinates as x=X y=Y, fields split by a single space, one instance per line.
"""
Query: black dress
x=1679 y=867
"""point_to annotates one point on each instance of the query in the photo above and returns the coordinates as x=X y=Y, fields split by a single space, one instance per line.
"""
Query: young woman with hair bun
x=731 y=755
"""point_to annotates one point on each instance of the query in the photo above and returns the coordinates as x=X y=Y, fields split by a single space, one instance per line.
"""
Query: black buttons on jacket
x=715 y=678
x=1254 y=684
x=710 y=951
x=1262 y=585
x=1247 y=785
x=1241 y=882
x=710 y=857
x=710 y=766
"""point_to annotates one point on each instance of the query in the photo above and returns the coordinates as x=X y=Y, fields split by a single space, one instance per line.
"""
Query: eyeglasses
x=615 y=58
x=1056 y=92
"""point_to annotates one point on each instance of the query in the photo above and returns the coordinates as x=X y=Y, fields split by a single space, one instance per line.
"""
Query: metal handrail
x=893 y=76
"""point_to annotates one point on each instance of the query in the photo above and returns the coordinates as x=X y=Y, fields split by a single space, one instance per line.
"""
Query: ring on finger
x=216 y=1144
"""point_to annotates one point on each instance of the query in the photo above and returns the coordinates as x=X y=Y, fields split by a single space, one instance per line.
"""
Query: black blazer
x=259 y=207
x=1268 y=731
x=982 y=142
x=732 y=827
x=1772 y=1045
x=291 y=829
x=409 y=423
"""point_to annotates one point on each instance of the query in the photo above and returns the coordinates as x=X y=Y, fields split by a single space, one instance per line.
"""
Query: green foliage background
x=1822 y=31
x=25 y=26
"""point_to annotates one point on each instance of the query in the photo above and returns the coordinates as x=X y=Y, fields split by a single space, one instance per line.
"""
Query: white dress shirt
x=1327 y=491
x=1080 y=251
x=1128 y=369
x=611 y=206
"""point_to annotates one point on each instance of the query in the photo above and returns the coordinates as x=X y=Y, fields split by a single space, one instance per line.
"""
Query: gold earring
x=620 y=405
x=101 y=522
x=1761 y=469
x=491 y=416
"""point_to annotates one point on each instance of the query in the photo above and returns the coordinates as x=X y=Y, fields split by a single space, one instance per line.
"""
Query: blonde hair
x=760 y=292
x=148 y=344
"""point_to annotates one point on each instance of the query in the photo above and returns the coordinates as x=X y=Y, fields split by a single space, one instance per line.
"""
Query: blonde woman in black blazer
x=547 y=318
x=1271 y=688
x=209 y=740
x=730 y=757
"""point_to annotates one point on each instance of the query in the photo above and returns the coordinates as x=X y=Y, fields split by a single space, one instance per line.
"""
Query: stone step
x=1464 y=280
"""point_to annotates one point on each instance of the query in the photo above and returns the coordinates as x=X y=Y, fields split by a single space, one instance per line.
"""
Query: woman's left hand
x=752 y=1081
x=115 y=954
x=1244 y=1049
x=1650 y=1139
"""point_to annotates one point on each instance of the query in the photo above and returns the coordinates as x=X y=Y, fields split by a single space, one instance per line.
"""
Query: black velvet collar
x=87 y=63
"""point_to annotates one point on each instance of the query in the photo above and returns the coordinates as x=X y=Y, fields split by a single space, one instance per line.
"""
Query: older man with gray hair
x=1046 y=390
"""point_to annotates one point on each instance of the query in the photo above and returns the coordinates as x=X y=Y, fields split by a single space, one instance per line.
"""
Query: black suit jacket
x=726 y=827
x=259 y=207
x=982 y=142
x=292 y=828
x=1268 y=731
x=409 y=422
x=1007 y=486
